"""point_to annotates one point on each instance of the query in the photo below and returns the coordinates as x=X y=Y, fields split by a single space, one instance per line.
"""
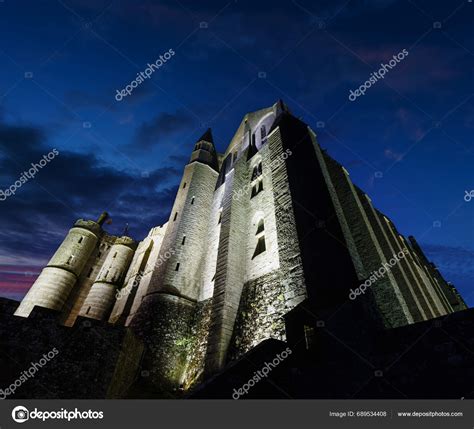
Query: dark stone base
x=89 y=360
x=428 y=360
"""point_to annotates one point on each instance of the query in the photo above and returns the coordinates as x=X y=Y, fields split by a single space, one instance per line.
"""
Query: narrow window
x=309 y=336
x=106 y=274
x=184 y=185
x=88 y=309
x=80 y=239
x=175 y=216
x=260 y=246
x=90 y=272
x=213 y=278
x=260 y=227
x=69 y=260
x=192 y=200
x=263 y=132
x=257 y=188
x=254 y=191
x=177 y=267
x=256 y=172
x=115 y=255
x=184 y=239
x=220 y=217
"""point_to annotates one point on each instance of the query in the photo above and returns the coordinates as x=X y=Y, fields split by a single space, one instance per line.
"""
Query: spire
x=205 y=151
x=280 y=107
x=207 y=137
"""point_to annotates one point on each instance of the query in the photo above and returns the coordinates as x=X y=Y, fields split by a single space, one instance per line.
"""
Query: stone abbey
x=260 y=239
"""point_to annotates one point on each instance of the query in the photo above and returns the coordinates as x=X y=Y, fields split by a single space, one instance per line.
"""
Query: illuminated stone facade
x=253 y=232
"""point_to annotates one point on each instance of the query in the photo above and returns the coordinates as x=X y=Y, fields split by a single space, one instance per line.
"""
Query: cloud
x=79 y=99
x=163 y=126
x=73 y=185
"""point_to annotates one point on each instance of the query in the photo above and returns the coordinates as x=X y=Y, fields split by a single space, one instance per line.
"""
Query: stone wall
x=84 y=366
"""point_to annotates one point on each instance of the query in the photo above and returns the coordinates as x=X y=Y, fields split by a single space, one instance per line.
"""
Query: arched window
x=257 y=179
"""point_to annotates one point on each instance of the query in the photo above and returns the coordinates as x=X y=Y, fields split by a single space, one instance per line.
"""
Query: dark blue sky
x=407 y=142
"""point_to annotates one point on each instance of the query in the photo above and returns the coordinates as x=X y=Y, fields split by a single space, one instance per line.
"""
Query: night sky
x=407 y=142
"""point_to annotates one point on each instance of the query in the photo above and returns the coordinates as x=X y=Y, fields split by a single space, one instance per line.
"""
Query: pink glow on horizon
x=15 y=280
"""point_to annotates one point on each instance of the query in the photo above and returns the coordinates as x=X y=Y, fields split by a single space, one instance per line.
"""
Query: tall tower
x=165 y=316
x=53 y=286
x=101 y=297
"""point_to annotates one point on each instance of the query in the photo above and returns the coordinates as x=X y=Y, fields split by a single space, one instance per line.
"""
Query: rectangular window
x=80 y=239
x=115 y=255
x=184 y=239
x=184 y=185
x=260 y=246
x=257 y=188
x=177 y=267
x=192 y=200
x=175 y=216
x=309 y=336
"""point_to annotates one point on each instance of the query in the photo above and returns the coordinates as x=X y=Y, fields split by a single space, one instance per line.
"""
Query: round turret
x=101 y=296
x=54 y=284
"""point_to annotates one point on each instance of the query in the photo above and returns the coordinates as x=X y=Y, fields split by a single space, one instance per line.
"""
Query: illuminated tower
x=53 y=286
x=165 y=315
x=101 y=297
